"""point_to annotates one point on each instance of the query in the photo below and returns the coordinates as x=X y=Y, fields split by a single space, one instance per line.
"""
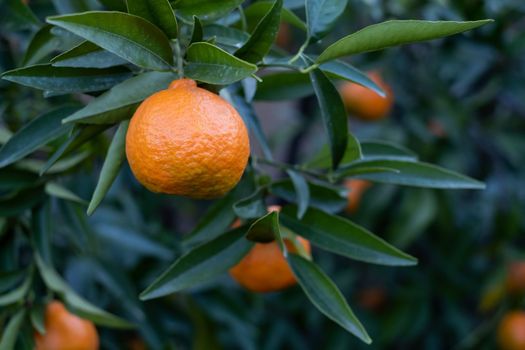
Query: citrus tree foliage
x=116 y=54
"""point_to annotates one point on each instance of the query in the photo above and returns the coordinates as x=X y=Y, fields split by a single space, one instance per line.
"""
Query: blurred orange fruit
x=355 y=188
x=187 y=141
x=264 y=268
x=65 y=331
x=283 y=35
x=372 y=298
x=515 y=281
x=364 y=103
x=511 y=331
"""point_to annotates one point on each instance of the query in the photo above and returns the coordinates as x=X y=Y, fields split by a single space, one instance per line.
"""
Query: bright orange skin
x=515 y=282
x=511 y=331
x=187 y=141
x=364 y=103
x=264 y=268
x=355 y=188
x=65 y=331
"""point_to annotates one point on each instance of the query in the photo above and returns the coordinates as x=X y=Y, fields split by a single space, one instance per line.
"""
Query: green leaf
x=18 y=294
x=79 y=305
x=393 y=33
x=227 y=37
x=341 y=236
x=284 y=86
x=376 y=150
x=323 y=160
x=12 y=330
x=302 y=192
x=201 y=264
x=35 y=165
x=322 y=15
x=260 y=8
x=37 y=316
x=22 y=201
x=323 y=196
x=263 y=36
x=120 y=102
x=111 y=167
x=265 y=229
x=325 y=296
x=205 y=9
x=252 y=206
x=79 y=136
x=87 y=55
x=157 y=12
x=197 y=33
x=212 y=65
x=59 y=191
x=42 y=44
x=34 y=135
x=41 y=225
x=130 y=37
x=15 y=179
x=342 y=70
x=333 y=113
x=412 y=173
x=66 y=79
x=10 y=279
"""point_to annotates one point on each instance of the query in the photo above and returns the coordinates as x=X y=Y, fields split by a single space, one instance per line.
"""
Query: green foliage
x=110 y=61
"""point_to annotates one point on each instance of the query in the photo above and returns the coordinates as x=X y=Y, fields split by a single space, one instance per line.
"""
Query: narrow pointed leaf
x=263 y=36
x=302 y=192
x=81 y=306
x=130 y=37
x=341 y=236
x=205 y=9
x=259 y=8
x=66 y=79
x=252 y=206
x=12 y=330
x=342 y=70
x=393 y=33
x=59 y=191
x=197 y=33
x=265 y=229
x=87 y=55
x=212 y=65
x=376 y=150
x=333 y=113
x=323 y=160
x=34 y=135
x=37 y=317
x=111 y=167
x=410 y=173
x=201 y=264
x=322 y=15
x=120 y=102
x=158 y=12
x=325 y=296
x=42 y=44
x=18 y=294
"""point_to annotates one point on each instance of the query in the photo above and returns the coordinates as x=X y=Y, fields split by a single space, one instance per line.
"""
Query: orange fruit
x=65 y=331
x=283 y=35
x=372 y=298
x=515 y=281
x=187 y=141
x=365 y=103
x=355 y=188
x=511 y=331
x=264 y=268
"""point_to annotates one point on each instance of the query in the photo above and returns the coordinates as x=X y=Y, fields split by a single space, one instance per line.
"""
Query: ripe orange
x=365 y=103
x=511 y=331
x=264 y=268
x=355 y=188
x=187 y=141
x=65 y=331
x=515 y=282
